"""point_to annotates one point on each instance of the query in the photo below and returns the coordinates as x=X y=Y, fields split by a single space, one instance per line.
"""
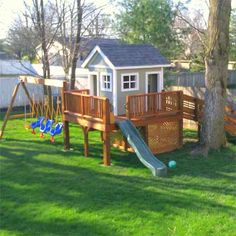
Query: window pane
x=132 y=77
x=126 y=85
x=108 y=78
x=132 y=85
x=108 y=86
x=126 y=78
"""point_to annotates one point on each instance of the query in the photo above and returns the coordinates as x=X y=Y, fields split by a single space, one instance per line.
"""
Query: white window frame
x=129 y=89
x=102 y=82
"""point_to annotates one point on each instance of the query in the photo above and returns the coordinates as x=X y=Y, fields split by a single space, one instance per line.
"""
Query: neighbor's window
x=106 y=84
x=129 y=82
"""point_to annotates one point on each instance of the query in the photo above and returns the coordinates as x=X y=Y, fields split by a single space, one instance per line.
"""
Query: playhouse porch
x=157 y=115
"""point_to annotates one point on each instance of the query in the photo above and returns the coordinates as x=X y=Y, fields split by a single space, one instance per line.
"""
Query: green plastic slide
x=141 y=149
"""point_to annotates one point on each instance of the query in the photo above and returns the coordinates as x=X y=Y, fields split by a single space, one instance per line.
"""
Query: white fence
x=8 y=83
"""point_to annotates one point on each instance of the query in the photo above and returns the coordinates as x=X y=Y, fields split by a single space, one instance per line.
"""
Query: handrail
x=83 y=91
x=142 y=105
x=85 y=95
x=89 y=107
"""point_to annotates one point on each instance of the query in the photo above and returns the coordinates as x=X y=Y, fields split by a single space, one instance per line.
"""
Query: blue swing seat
x=55 y=131
x=37 y=123
x=44 y=128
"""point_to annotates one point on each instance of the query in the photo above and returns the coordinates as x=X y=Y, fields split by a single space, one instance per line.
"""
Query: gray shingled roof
x=133 y=55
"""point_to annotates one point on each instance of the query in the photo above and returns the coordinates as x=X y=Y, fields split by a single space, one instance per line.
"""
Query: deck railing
x=82 y=91
x=192 y=108
x=144 y=105
x=90 y=107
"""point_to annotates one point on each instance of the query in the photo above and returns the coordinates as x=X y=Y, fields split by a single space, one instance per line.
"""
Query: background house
x=86 y=45
x=116 y=71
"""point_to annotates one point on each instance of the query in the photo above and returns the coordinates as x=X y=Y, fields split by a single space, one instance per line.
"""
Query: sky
x=10 y=8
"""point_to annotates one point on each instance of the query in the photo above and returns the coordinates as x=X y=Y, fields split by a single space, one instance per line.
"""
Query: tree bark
x=77 y=44
x=216 y=62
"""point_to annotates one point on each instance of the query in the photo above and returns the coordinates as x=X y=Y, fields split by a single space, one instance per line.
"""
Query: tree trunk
x=216 y=62
x=46 y=65
x=77 y=44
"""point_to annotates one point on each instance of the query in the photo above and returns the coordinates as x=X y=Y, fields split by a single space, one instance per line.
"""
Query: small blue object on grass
x=172 y=164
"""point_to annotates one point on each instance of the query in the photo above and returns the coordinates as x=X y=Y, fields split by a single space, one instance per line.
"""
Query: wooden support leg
x=125 y=142
x=66 y=135
x=106 y=148
x=101 y=136
x=86 y=143
x=9 y=110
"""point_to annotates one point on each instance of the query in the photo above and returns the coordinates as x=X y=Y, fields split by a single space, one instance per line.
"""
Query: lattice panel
x=164 y=136
x=118 y=141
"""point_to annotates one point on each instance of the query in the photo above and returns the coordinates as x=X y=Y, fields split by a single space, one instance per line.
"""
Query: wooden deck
x=91 y=112
x=158 y=116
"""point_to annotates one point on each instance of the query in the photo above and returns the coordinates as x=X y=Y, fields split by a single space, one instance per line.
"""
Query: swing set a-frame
x=23 y=80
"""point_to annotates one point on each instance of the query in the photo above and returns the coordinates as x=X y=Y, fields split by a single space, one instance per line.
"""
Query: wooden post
x=127 y=107
x=66 y=132
x=82 y=104
x=181 y=119
x=106 y=148
x=66 y=135
x=106 y=134
x=125 y=144
x=9 y=109
x=163 y=101
x=86 y=142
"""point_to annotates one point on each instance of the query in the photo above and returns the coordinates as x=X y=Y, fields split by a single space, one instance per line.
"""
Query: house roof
x=129 y=55
x=16 y=67
x=87 y=44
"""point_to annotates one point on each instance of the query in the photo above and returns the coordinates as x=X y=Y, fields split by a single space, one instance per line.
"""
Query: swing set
x=40 y=109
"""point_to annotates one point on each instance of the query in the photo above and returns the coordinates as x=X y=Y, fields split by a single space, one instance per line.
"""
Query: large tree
x=232 y=52
x=216 y=61
x=148 y=21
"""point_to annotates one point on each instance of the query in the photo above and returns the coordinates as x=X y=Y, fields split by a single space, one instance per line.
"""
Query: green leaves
x=148 y=21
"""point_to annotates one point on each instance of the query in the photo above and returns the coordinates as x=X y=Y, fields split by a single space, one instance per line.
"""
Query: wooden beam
x=85 y=122
x=9 y=110
x=36 y=80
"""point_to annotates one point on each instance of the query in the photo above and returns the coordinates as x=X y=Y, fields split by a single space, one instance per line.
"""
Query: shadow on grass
x=45 y=191
x=40 y=187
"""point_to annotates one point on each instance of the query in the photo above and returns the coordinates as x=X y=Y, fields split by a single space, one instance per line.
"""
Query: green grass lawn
x=46 y=191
